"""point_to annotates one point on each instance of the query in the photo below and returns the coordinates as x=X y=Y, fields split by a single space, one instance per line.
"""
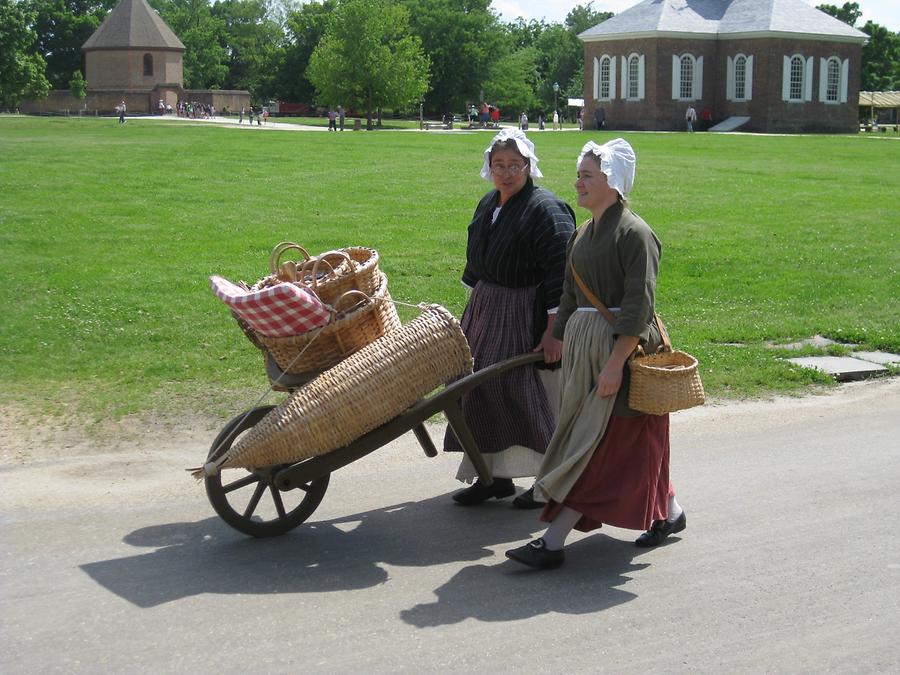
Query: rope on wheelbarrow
x=362 y=392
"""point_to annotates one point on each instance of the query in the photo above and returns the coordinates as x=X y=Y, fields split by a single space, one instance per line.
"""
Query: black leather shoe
x=660 y=530
x=479 y=492
x=526 y=500
x=536 y=554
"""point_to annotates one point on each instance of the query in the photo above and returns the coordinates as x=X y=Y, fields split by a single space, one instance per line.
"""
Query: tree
x=368 y=59
x=559 y=54
x=462 y=38
x=62 y=26
x=304 y=28
x=582 y=17
x=78 y=86
x=253 y=42
x=21 y=67
x=513 y=80
x=849 y=13
x=205 y=59
x=880 y=59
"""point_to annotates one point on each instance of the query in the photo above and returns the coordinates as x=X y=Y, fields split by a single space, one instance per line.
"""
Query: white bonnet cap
x=526 y=149
x=617 y=161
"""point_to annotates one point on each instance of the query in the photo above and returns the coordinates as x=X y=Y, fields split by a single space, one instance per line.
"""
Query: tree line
x=366 y=54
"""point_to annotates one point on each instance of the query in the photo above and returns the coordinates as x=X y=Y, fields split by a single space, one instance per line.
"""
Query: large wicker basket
x=361 y=393
x=348 y=332
x=664 y=382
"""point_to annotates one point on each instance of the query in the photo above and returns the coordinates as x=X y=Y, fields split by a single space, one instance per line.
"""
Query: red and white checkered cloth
x=278 y=311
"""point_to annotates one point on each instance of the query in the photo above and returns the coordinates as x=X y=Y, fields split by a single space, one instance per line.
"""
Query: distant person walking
x=556 y=120
x=121 y=109
x=332 y=120
x=523 y=121
x=690 y=116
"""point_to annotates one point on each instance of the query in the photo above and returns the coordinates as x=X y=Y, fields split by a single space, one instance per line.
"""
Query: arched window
x=740 y=77
x=604 y=78
x=833 y=81
x=686 y=90
x=633 y=75
x=148 y=65
x=796 y=83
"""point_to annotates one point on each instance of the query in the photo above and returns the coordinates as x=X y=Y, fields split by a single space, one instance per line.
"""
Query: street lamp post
x=555 y=101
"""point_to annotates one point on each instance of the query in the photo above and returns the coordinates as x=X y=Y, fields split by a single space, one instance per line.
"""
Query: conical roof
x=133 y=24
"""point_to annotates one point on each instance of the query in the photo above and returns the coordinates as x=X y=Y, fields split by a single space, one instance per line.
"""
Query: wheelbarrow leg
x=425 y=440
x=467 y=441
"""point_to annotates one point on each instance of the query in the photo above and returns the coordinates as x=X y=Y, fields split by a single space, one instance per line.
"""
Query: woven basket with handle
x=664 y=382
x=332 y=274
x=361 y=393
x=358 y=320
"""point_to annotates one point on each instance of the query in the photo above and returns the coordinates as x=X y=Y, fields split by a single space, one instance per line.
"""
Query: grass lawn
x=108 y=234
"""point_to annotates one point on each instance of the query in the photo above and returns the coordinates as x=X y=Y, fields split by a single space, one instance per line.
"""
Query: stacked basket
x=348 y=280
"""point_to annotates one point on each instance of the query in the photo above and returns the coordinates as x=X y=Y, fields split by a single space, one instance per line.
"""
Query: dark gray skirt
x=511 y=409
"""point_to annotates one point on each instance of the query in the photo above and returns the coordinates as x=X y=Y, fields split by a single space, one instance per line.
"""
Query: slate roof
x=133 y=24
x=723 y=18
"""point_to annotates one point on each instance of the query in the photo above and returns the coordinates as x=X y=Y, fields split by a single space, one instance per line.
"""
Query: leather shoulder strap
x=593 y=299
x=609 y=316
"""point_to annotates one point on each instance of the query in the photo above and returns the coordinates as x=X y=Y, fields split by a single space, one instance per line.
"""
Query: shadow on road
x=347 y=553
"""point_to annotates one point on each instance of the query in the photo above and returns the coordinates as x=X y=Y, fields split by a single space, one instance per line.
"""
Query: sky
x=885 y=12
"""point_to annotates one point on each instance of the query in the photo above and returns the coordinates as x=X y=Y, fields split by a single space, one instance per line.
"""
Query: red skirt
x=626 y=483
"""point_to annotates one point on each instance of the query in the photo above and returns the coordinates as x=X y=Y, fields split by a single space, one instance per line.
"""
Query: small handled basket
x=328 y=275
x=666 y=381
x=332 y=274
x=349 y=330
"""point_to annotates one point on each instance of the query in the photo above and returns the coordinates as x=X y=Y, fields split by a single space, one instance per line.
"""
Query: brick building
x=134 y=56
x=778 y=66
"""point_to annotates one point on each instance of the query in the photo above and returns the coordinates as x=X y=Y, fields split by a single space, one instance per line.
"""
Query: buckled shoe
x=659 y=530
x=536 y=554
x=478 y=492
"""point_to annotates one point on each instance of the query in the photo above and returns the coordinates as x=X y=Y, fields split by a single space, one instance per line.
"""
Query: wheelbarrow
x=272 y=500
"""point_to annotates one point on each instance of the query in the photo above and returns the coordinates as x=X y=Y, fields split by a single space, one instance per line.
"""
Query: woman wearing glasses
x=515 y=264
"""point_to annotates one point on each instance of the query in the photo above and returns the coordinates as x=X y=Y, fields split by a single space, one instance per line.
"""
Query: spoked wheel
x=247 y=499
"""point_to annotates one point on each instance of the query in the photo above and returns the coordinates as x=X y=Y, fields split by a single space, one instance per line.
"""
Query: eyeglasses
x=512 y=170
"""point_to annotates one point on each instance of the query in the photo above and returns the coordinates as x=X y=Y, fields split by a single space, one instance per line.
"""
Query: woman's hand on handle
x=551 y=347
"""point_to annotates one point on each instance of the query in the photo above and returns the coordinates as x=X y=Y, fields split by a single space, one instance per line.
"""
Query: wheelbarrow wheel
x=247 y=499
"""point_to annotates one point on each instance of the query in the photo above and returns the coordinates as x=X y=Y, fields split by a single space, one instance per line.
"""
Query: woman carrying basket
x=606 y=463
x=515 y=261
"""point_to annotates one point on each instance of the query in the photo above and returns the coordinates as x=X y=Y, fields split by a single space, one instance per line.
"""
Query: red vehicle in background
x=288 y=109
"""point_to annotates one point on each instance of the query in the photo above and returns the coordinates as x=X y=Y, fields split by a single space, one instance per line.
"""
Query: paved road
x=790 y=563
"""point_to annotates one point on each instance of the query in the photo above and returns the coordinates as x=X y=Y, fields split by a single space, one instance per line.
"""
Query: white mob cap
x=525 y=147
x=617 y=161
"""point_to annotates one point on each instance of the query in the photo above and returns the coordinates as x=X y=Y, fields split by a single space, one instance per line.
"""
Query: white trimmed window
x=633 y=77
x=833 y=80
x=796 y=85
x=605 y=78
x=739 y=78
x=687 y=77
x=797 y=76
